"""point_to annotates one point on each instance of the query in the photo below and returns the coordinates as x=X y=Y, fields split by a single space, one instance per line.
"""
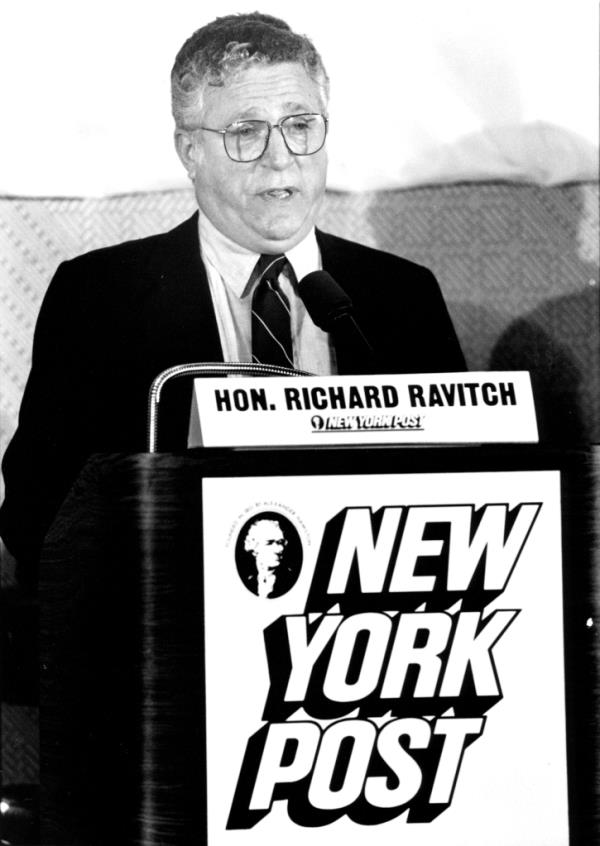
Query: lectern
x=244 y=646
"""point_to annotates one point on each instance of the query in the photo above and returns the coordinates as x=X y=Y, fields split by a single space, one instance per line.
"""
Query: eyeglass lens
x=303 y=134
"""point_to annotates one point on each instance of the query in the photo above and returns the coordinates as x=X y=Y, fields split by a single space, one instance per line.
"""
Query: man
x=250 y=107
x=266 y=543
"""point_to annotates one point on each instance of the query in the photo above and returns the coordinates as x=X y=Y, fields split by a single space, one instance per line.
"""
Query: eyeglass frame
x=270 y=127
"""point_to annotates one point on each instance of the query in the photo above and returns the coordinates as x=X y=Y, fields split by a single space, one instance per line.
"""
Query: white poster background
x=512 y=786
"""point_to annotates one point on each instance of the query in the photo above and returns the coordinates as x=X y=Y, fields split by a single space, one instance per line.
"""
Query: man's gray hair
x=229 y=44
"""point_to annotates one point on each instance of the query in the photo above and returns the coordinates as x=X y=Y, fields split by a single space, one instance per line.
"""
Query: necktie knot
x=271 y=324
x=268 y=267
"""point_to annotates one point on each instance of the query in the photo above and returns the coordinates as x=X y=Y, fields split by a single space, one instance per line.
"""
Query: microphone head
x=325 y=301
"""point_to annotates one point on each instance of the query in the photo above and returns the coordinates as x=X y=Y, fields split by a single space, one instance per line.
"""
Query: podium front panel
x=244 y=647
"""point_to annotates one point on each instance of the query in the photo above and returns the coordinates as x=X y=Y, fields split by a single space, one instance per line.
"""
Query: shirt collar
x=305 y=256
x=234 y=264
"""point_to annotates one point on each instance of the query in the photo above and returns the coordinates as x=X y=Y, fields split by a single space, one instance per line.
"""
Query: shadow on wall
x=518 y=268
x=560 y=379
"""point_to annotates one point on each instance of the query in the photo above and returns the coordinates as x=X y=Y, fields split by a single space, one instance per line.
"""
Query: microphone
x=330 y=308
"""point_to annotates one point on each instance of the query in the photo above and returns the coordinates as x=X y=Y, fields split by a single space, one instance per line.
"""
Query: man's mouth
x=279 y=193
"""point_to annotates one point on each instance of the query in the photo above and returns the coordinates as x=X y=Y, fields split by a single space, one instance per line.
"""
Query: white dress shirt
x=229 y=266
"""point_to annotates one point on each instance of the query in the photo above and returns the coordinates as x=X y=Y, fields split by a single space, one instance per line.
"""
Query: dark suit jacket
x=114 y=318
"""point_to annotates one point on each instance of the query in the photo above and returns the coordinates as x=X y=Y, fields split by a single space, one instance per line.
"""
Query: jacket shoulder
x=109 y=279
x=353 y=252
x=138 y=250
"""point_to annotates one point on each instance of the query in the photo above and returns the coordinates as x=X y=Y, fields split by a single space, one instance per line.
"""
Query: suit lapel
x=181 y=316
x=177 y=322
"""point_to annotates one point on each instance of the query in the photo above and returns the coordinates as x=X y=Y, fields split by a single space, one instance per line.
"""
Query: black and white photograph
x=383 y=218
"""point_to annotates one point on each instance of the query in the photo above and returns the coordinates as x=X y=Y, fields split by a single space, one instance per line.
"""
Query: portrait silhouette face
x=266 y=541
x=268 y=555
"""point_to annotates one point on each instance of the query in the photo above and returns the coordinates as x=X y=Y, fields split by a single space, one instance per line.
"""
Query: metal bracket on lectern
x=230 y=368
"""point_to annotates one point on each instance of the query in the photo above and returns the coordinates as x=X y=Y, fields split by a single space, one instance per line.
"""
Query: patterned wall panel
x=519 y=268
x=518 y=265
x=508 y=257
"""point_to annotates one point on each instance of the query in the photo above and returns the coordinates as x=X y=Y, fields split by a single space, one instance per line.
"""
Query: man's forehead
x=286 y=85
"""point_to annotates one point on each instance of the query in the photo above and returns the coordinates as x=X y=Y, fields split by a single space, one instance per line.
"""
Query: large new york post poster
x=384 y=660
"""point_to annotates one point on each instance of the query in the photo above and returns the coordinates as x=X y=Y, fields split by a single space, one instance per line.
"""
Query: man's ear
x=187 y=150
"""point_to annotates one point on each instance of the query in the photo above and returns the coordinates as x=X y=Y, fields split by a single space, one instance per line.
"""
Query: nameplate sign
x=448 y=408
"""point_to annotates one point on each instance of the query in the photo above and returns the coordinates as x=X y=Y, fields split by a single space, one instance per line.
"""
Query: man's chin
x=283 y=235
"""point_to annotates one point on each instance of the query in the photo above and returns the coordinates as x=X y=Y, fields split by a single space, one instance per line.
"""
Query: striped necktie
x=271 y=325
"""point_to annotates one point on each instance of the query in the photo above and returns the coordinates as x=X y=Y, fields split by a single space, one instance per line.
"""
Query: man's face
x=269 y=545
x=268 y=205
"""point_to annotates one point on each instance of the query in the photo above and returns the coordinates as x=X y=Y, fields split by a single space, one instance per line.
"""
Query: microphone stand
x=218 y=368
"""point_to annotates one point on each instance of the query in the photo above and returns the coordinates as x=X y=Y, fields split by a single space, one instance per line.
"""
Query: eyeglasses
x=247 y=140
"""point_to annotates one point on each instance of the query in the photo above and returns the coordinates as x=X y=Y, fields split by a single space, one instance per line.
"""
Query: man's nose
x=277 y=154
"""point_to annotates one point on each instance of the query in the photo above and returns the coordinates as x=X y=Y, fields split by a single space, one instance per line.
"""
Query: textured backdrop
x=518 y=265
